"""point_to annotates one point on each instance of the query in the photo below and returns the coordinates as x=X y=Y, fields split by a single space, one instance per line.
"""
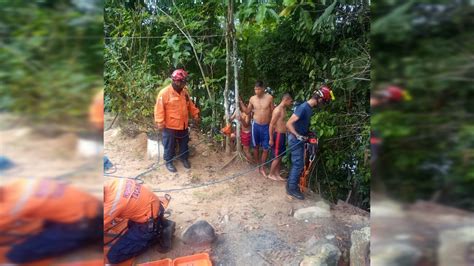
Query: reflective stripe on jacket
x=45 y=199
x=126 y=199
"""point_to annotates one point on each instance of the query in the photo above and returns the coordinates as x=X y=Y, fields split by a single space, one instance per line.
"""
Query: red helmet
x=394 y=93
x=325 y=93
x=179 y=75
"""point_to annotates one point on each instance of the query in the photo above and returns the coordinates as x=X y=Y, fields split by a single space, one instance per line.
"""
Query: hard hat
x=179 y=75
x=325 y=93
x=397 y=94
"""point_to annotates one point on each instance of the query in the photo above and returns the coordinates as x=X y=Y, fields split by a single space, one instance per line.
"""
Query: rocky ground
x=254 y=221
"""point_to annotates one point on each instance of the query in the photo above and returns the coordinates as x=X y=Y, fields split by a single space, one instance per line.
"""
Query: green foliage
x=428 y=142
x=329 y=46
x=144 y=46
x=50 y=59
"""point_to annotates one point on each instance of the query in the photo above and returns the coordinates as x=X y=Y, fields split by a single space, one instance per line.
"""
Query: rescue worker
x=382 y=98
x=172 y=108
x=298 y=129
x=127 y=199
x=67 y=218
x=389 y=95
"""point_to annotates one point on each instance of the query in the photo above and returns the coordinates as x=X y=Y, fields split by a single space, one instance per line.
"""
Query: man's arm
x=275 y=116
x=233 y=116
x=160 y=111
x=113 y=194
x=247 y=109
x=290 y=126
x=272 y=106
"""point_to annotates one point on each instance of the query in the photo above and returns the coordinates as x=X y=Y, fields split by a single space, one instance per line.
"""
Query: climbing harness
x=310 y=147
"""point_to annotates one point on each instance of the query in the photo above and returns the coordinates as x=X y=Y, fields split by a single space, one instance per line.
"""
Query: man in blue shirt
x=298 y=128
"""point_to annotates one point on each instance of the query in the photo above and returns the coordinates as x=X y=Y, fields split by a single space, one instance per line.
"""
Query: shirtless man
x=262 y=106
x=277 y=134
x=245 y=135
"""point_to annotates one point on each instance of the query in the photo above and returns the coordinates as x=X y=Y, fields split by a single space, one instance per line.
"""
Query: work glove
x=301 y=138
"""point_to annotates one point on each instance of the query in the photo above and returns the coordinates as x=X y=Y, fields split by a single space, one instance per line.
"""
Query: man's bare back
x=277 y=131
x=262 y=108
x=279 y=114
x=243 y=119
x=245 y=122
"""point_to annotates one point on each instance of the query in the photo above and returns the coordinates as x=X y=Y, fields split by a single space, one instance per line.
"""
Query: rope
x=156 y=164
x=112 y=124
x=230 y=177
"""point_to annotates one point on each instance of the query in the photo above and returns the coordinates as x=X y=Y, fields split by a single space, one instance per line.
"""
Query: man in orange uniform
x=126 y=199
x=70 y=218
x=172 y=107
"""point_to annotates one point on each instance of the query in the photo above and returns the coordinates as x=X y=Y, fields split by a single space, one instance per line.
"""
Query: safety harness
x=310 y=147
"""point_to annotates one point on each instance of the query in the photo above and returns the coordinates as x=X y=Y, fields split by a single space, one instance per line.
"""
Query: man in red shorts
x=277 y=133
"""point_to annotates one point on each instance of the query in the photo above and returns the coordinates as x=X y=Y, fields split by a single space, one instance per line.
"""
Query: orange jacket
x=44 y=199
x=96 y=110
x=171 y=109
x=126 y=199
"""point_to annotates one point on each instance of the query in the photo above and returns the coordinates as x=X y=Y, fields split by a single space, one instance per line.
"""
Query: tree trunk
x=227 y=72
x=236 y=72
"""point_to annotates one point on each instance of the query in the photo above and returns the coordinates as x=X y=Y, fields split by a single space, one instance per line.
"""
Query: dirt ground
x=42 y=155
x=251 y=214
x=39 y=154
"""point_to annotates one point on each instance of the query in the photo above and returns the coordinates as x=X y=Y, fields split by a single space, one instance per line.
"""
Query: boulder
x=360 y=247
x=321 y=210
x=394 y=254
x=386 y=209
x=200 y=233
x=456 y=247
x=325 y=255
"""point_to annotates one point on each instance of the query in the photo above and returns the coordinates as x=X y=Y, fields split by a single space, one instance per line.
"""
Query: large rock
x=321 y=210
x=360 y=247
x=199 y=234
x=325 y=255
x=310 y=245
x=394 y=254
x=386 y=209
x=456 y=247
